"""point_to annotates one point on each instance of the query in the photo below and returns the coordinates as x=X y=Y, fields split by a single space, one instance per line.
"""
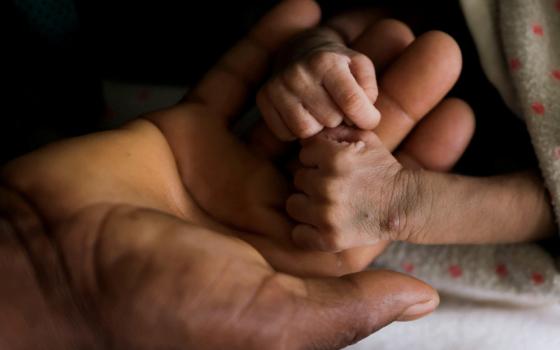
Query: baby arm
x=324 y=83
x=354 y=192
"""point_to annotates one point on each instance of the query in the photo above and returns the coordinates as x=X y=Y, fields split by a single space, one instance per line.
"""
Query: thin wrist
x=456 y=209
x=409 y=207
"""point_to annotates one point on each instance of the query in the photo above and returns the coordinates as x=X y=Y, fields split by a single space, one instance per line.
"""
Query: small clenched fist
x=325 y=87
x=353 y=192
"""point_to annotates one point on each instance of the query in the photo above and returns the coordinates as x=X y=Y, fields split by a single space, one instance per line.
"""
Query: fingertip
x=446 y=48
x=304 y=126
x=462 y=115
x=419 y=310
x=465 y=114
x=454 y=122
x=395 y=35
x=308 y=128
x=371 y=121
x=399 y=30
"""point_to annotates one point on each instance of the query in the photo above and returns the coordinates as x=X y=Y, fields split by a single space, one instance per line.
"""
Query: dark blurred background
x=60 y=51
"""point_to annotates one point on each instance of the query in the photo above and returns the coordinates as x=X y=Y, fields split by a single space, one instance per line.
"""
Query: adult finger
x=441 y=138
x=225 y=88
x=415 y=83
x=384 y=41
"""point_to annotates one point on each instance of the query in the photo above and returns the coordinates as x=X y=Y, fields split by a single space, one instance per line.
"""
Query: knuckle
x=361 y=59
x=341 y=161
x=330 y=217
x=351 y=101
x=293 y=74
x=331 y=189
x=324 y=60
x=293 y=78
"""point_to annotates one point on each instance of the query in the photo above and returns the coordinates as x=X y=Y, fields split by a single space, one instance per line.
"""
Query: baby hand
x=354 y=192
x=321 y=90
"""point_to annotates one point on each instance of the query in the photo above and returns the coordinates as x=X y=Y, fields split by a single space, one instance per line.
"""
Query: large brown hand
x=239 y=187
x=103 y=247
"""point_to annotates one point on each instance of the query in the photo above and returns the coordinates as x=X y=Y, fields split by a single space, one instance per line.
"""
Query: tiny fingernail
x=418 y=310
x=360 y=145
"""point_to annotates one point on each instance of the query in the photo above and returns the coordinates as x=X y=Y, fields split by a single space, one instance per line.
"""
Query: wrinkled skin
x=127 y=241
x=211 y=159
x=353 y=191
x=329 y=84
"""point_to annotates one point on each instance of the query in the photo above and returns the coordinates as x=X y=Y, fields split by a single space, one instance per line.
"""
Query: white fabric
x=462 y=324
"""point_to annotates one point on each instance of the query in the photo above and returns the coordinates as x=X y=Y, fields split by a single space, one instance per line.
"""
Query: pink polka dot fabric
x=527 y=45
x=530 y=33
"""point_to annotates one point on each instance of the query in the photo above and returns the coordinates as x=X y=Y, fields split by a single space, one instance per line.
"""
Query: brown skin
x=117 y=240
x=105 y=244
x=210 y=159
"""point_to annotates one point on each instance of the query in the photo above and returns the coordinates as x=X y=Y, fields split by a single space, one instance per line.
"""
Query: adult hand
x=103 y=245
x=214 y=164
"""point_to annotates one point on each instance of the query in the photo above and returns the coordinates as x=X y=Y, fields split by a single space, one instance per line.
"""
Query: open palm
x=133 y=241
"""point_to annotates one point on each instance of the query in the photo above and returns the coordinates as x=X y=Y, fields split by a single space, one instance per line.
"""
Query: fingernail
x=360 y=145
x=418 y=310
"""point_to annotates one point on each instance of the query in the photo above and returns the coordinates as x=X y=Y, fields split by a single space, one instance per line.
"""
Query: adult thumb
x=337 y=312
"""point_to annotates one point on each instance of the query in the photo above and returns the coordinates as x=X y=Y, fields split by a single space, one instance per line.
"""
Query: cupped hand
x=113 y=248
x=238 y=185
